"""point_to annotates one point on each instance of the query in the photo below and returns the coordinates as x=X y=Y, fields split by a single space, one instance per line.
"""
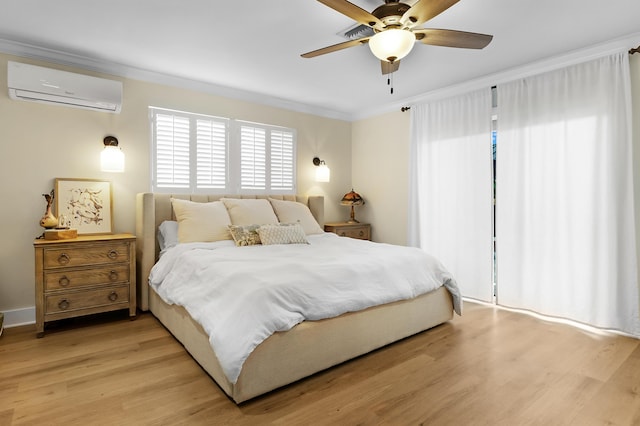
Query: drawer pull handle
x=113 y=296
x=63 y=259
x=64 y=281
x=361 y=233
x=63 y=304
x=113 y=254
x=113 y=275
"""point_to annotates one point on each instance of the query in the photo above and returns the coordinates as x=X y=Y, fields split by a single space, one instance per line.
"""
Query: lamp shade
x=352 y=199
x=111 y=158
x=323 y=173
x=392 y=44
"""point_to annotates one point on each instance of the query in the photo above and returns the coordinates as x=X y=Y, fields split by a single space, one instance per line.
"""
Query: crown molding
x=30 y=51
x=555 y=62
x=552 y=63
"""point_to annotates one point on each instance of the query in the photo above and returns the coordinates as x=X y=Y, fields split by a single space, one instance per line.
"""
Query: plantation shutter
x=172 y=151
x=281 y=160
x=253 y=157
x=211 y=142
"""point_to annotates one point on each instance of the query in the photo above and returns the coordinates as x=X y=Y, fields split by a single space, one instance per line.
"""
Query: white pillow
x=294 y=212
x=249 y=211
x=167 y=234
x=283 y=233
x=201 y=222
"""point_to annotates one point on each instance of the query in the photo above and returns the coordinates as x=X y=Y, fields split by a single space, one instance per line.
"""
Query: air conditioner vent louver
x=39 y=84
x=356 y=31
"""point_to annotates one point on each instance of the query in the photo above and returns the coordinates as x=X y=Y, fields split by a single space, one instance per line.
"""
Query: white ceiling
x=254 y=46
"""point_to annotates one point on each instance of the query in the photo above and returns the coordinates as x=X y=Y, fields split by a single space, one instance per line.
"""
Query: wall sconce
x=323 y=173
x=112 y=157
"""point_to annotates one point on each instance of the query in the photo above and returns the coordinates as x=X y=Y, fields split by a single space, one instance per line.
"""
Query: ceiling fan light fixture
x=392 y=44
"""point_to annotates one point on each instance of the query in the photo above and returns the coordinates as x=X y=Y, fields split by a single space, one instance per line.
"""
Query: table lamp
x=352 y=199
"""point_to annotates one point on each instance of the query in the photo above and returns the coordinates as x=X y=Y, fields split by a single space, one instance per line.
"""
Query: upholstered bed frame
x=288 y=356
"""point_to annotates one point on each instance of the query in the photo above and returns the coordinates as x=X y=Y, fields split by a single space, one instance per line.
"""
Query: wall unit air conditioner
x=39 y=84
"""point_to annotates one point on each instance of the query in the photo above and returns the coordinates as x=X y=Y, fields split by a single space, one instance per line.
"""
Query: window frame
x=233 y=146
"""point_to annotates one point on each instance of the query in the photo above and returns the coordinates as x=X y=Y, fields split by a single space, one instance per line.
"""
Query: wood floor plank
x=618 y=401
x=488 y=367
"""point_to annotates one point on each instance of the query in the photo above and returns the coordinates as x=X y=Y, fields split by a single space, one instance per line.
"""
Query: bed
x=285 y=356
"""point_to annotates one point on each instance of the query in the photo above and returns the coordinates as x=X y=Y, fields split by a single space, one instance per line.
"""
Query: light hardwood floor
x=488 y=367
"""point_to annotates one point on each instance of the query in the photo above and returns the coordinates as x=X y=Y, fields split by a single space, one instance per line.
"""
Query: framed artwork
x=85 y=205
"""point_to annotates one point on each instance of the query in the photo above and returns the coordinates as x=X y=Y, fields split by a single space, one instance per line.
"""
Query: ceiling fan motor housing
x=390 y=13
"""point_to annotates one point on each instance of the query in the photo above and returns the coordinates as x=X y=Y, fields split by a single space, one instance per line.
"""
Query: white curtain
x=450 y=211
x=564 y=219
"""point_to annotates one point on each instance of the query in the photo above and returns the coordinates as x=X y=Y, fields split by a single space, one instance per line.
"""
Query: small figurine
x=62 y=222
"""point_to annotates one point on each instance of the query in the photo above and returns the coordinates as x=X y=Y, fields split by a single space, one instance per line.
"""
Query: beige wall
x=381 y=174
x=41 y=142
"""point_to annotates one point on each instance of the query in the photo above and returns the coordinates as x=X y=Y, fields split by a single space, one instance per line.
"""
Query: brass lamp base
x=352 y=219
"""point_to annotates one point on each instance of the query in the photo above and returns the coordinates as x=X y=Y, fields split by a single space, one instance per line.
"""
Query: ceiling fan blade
x=336 y=47
x=452 y=38
x=354 y=12
x=389 y=67
x=424 y=10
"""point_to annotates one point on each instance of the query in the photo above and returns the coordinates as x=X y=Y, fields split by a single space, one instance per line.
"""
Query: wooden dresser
x=84 y=275
x=361 y=231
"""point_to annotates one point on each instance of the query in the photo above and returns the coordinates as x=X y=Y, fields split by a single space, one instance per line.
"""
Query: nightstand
x=361 y=231
x=84 y=275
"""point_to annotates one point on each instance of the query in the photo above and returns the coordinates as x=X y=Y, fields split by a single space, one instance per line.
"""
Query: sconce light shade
x=112 y=157
x=323 y=173
x=392 y=45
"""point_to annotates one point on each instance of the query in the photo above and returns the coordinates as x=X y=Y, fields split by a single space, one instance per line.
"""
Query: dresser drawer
x=111 y=252
x=361 y=233
x=74 y=278
x=73 y=301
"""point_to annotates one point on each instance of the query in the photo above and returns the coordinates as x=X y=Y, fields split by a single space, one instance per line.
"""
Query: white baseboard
x=17 y=317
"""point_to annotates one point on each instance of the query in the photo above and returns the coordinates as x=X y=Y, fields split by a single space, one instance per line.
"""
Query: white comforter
x=242 y=295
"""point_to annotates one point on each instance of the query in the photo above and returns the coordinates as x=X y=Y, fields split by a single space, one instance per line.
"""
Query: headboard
x=154 y=208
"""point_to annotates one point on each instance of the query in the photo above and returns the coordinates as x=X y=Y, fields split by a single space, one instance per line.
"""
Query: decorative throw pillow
x=249 y=211
x=294 y=212
x=283 y=233
x=201 y=222
x=245 y=235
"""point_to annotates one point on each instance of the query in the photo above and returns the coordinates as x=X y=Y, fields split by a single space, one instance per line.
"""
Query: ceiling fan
x=395 y=30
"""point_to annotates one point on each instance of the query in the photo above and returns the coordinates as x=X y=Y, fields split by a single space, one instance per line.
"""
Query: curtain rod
x=631 y=52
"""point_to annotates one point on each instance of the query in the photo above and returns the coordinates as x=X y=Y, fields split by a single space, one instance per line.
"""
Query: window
x=199 y=153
